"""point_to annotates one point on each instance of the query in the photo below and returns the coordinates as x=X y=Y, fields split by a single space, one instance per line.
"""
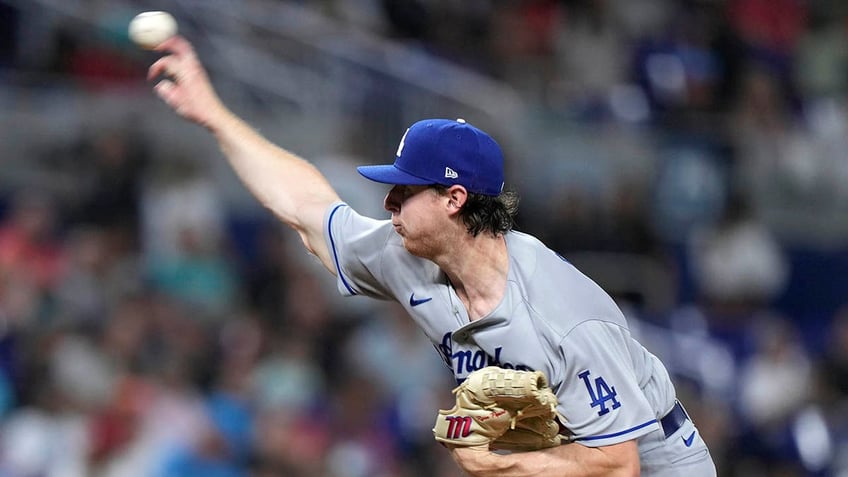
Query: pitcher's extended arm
x=292 y=188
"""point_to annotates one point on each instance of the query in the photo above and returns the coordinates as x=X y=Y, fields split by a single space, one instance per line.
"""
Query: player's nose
x=392 y=201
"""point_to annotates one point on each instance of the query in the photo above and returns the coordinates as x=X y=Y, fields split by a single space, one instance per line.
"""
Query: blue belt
x=675 y=418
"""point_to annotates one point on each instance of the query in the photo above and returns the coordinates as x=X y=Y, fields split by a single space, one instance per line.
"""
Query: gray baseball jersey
x=552 y=318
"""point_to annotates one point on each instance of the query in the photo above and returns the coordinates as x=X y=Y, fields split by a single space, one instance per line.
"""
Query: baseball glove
x=503 y=409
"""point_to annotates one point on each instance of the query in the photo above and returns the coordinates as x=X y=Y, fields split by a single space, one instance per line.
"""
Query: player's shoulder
x=560 y=294
x=539 y=265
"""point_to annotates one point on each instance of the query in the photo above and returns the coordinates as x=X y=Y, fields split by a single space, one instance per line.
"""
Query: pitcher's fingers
x=165 y=66
x=177 y=45
x=165 y=90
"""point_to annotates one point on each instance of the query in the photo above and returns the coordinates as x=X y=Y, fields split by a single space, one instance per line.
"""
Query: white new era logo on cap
x=450 y=173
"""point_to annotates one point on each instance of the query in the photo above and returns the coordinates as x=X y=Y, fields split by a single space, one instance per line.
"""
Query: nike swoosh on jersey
x=688 y=441
x=414 y=302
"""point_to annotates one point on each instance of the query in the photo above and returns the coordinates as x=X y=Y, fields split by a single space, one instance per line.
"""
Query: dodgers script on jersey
x=610 y=388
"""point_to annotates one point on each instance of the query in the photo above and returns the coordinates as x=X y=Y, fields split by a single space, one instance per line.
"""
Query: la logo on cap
x=445 y=152
x=400 y=146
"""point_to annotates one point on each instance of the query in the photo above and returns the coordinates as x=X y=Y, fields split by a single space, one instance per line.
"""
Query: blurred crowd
x=138 y=338
x=145 y=331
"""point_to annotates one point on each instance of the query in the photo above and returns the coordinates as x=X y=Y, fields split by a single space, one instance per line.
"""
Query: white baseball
x=149 y=29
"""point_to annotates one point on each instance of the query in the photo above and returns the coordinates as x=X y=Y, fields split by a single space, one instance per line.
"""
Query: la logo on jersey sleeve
x=602 y=396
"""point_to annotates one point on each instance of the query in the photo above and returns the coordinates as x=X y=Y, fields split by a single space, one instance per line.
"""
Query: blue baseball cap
x=444 y=152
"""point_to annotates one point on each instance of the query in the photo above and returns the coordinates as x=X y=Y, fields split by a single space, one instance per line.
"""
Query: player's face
x=416 y=217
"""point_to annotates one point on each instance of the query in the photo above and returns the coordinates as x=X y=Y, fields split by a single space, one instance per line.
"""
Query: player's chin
x=414 y=247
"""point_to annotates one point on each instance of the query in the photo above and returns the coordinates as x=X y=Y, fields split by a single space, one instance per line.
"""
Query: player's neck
x=478 y=271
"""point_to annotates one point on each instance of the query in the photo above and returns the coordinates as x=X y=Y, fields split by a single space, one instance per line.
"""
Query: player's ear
x=457 y=195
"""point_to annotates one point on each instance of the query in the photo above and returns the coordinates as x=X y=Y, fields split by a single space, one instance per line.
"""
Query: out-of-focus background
x=689 y=155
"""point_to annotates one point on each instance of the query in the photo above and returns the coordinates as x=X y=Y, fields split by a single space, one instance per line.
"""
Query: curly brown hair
x=492 y=214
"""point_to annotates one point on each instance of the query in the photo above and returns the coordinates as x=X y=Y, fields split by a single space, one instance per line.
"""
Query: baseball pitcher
x=550 y=379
